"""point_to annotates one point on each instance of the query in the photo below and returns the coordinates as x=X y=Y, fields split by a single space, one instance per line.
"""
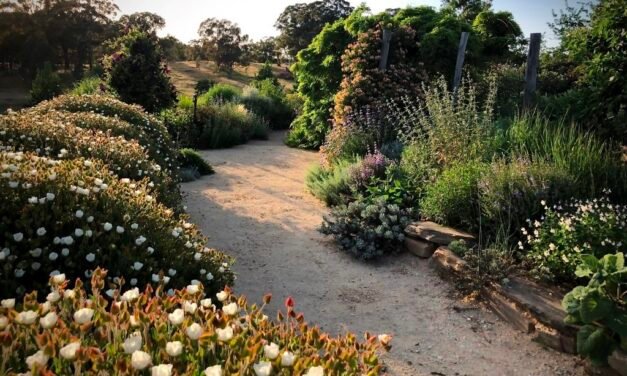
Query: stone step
x=419 y=247
x=436 y=233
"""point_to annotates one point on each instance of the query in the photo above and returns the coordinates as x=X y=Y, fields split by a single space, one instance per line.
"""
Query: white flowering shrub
x=555 y=245
x=148 y=332
x=57 y=136
x=111 y=107
x=75 y=215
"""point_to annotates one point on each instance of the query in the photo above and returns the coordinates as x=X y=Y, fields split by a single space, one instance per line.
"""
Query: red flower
x=289 y=302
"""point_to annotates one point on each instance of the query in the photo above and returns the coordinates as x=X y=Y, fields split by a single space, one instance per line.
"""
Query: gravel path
x=256 y=208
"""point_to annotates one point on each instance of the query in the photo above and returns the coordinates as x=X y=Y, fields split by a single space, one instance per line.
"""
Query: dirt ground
x=256 y=208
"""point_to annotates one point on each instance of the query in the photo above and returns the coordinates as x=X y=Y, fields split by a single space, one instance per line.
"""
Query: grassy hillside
x=185 y=75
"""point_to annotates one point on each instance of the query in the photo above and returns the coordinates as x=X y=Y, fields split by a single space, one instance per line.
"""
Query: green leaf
x=618 y=323
x=572 y=300
x=595 y=306
x=589 y=264
x=594 y=343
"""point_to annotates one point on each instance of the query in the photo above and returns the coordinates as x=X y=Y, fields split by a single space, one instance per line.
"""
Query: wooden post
x=385 y=50
x=195 y=106
x=531 y=73
x=459 y=65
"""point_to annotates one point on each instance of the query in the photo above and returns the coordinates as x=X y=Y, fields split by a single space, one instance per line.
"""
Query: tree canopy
x=223 y=41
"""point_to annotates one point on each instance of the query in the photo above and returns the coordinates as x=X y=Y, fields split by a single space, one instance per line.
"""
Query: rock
x=420 y=248
x=447 y=261
x=618 y=361
x=436 y=233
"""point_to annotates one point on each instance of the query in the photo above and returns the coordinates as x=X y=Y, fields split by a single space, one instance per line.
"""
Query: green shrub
x=180 y=124
x=203 y=86
x=55 y=135
x=330 y=185
x=191 y=158
x=137 y=71
x=46 y=85
x=147 y=331
x=270 y=103
x=600 y=307
x=265 y=73
x=220 y=92
x=419 y=166
x=555 y=245
x=75 y=215
x=368 y=228
x=108 y=106
x=89 y=85
x=228 y=124
x=453 y=199
x=592 y=163
x=185 y=103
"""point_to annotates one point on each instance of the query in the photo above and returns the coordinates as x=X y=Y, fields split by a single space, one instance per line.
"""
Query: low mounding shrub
x=330 y=184
x=75 y=215
x=46 y=84
x=180 y=124
x=368 y=228
x=268 y=100
x=90 y=86
x=185 y=334
x=55 y=135
x=221 y=93
x=556 y=244
x=108 y=106
x=203 y=86
x=228 y=124
x=191 y=158
x=600 y=308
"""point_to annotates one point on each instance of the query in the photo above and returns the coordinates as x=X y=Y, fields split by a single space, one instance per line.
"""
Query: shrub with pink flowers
x=76 y=215
x=186 y=333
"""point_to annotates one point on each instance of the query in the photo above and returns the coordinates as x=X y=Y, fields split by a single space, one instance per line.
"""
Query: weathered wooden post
x=385 y=51
x=459 y=65
x=531 y=73
x=195 y=106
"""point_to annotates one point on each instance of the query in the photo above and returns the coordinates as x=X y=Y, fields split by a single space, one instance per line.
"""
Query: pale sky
x=256 y=17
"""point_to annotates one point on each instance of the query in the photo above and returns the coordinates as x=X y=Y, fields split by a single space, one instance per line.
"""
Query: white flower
x=37 y=359
x=197 y=256
x=230 y=309
x=68 y=240
x=18 y=237
x=53 y=297
x=49 y=320
x=19 y=273
x=4 y=322
x=35 y=252
x=90 y=257
x=8 y=303
x=552 y=247
x=171 y=272
x=137 y=265
x=45 y=307
x=53 y=256
x=193 y=331
x=150 y=250
x=206 y=303
x=189 y=307
x=384 y=338
x=271 y=351
x=79 y=232
x=132 y=343
x=88 y=163
x=108 y=226
x=315 y=371
x=69 y=294
x=224 y=334
x=50 y=196
x=69 y=351
x=79 y=214
x=263 y=368
x=140 y=240
x=174 y=348
x=543 y=203
x=32 y=200
x=119 y=229
x=130 y=295
x=222 y=295
x=161 y=370
x=209 y=276
x=287 y=359
x=65 y=251
x=83 y=315
x=140 y=360
x=134 y=226
x=90 y=219
x=175 y=233
x=26 y=317
x=41 y=231
x=213 y=371
x=192 y=289
x=176 y=317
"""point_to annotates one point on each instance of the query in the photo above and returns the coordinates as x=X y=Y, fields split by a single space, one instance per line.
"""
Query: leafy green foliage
x=145 y=22
x=203 y=86
x=224 y=41
x=228 y=124
x=220 y=92
x=268 y=100
x=137 y=72
x=330 y=184
x=190 y=158
x=556 y=244
x=600 y=306
x=46 y=85
x=90 y=85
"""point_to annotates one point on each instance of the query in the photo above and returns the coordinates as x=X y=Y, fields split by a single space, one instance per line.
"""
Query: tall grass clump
x=592 y=163
x=229 y=124
x=90 y=85
x=330 y=184
x=220 y=92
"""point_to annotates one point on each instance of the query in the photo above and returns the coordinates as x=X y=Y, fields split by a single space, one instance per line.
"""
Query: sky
x=256 y=17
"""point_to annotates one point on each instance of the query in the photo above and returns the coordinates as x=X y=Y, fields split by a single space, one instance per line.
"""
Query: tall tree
x=143 y=21
x=265 y=50
x=224 y=42
x=300 y=23
x=468 y=10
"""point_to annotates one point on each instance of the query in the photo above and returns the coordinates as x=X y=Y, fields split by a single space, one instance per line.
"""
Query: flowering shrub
x=555 y=245
x=368 y=227
x=75 y=215
x=109 y=106
x=372 y=166
x=182 y=334
x=55 y=135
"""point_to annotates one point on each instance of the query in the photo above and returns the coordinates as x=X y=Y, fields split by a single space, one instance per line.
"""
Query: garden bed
x=526 y=305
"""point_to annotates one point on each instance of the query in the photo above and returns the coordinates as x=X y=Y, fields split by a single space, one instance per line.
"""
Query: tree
x=143 y=21
x=570 y=18
x=173 y=49
x=137 y=72
x=224 y=42
x=265 y=50
x=300 y=23
x=467 y=9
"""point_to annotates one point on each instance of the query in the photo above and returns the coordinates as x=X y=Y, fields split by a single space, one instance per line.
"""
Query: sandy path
x=256 y=209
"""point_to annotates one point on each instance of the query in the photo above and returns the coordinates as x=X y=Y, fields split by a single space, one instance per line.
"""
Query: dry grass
x=185 y=75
